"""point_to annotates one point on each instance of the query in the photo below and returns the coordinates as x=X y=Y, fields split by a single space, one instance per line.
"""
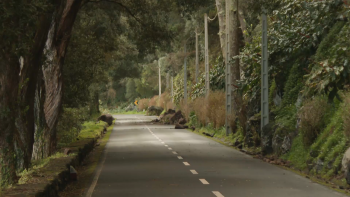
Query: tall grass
x=165 y=101
x=153 y=101
x=143 y=104
x=312 y=119
x=207 y=110
x=346 y=115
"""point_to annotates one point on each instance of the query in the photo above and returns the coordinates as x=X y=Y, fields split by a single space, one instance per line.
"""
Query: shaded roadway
x=148 y=160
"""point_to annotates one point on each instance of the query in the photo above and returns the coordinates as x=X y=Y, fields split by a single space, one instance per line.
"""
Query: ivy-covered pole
x=207 y=88
x=264 y=74
x=172 y=89
x=160 y=81
x=185 y=75
x=228 y=70
x=197 y=56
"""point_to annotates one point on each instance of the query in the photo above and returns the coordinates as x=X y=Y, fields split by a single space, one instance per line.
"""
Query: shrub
x=216 y=108
x=170 y=105
x=346 y=115
x=70 y=124
x=153 y=101
x=164 y=100
x=312 y=119
x=186 y=108
x=200 y=109
x=143 y=104
x=210 y=110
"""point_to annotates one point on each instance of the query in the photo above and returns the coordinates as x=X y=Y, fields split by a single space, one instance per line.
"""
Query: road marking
x=205 y=182
x=218 y=194
x=186 y=163
x=175 y=153
x=170 y=148
x=179 y=157
x=148 y=128
x=163 y=142
x=194 y=172
x=98 y=172
x=166 y=145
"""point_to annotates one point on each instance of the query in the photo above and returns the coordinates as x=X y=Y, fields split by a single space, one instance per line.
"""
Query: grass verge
x=90 y=130
x=87 y=169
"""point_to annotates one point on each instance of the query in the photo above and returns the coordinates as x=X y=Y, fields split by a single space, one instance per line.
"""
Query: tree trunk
x=55 y=50
x=28 y=80
x=17 y=85
x=9 y=83
x=222 y=25
x=95 y=104
x=40 y=138
x=237 y=101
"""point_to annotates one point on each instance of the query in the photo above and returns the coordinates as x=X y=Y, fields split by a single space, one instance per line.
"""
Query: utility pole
x=207 y=84
x=228 y=70
x=160 y=81
x=185 y=75
x=264 y=73
x=172 y=89
x=197 y=56
x=167 y=81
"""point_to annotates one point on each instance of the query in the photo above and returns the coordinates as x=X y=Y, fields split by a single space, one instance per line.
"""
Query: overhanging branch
x=121 y=5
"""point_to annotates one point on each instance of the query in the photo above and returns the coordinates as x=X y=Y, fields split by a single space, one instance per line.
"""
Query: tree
x=23 y=35
x=33 y=31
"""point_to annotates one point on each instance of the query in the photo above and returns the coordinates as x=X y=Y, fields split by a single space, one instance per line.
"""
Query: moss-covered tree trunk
x=28 y=81
x=17 y=85
x=94 y=104
x=9 y=82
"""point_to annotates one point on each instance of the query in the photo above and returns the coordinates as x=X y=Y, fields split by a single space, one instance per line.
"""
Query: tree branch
x=121 y=5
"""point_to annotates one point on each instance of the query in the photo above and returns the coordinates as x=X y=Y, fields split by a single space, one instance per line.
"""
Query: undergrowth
x=90 y=129
x=325 y=154
x=26 y=175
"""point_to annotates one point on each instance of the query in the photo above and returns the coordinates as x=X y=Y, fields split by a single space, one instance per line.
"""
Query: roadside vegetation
x=308 y=84
x=54 y=79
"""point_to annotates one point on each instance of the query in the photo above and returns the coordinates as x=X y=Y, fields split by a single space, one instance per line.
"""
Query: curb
x=57 y=172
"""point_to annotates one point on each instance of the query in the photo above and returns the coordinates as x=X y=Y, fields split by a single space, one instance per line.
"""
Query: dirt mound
x=106 y=118
x=154 y=111
x=176 y=117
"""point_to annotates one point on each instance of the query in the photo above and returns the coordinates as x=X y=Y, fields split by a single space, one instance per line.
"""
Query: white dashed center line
x=194 y=172
x=205 y=182
x=218 y=194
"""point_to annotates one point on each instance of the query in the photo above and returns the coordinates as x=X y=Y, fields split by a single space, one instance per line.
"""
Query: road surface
x=144 y=160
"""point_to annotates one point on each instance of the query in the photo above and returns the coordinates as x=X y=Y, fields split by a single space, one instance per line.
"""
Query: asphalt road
x=143 y=160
